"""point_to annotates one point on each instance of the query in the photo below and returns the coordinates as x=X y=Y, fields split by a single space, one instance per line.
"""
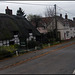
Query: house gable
x=60 y=25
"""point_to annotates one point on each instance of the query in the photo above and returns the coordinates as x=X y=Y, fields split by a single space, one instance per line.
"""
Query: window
x=15 y=32
x=67 y=33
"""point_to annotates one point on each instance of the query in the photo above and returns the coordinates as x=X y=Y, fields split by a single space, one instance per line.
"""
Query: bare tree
x=29 y=17
x=49 y=12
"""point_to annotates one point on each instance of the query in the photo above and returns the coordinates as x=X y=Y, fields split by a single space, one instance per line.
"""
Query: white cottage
x=65 y=27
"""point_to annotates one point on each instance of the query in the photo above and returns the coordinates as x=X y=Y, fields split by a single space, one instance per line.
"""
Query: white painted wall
x=6 y=42
x=72 y=32
x=64 y=29
x=60 y=26
x=51 y=26
x=16 y=39
x=31 y=37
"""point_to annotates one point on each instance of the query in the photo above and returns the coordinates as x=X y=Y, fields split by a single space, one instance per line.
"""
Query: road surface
x=59 y=59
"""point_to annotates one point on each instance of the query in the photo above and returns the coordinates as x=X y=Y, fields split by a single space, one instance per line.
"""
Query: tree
x=20 y=12
x=34 y=18
x=30 y=17
x=50 y=13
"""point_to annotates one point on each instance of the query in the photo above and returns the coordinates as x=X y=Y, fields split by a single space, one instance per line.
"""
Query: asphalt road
x=59 y=59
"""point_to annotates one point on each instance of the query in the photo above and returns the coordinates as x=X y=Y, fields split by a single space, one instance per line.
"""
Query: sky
x=40 y=7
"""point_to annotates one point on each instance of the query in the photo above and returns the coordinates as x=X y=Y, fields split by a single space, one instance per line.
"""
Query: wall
x=64 y=30
x=72 y=32
x=4 y=42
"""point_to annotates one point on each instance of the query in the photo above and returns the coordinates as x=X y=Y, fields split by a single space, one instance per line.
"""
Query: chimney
x=8 y=11
x=73 y=18
x=66 y=16
x=60 y=15
x=7 y=8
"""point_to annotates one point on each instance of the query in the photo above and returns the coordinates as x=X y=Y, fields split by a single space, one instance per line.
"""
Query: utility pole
x=55 y=21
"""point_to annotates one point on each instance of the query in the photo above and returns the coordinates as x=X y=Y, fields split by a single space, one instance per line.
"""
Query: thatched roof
x=10 y=23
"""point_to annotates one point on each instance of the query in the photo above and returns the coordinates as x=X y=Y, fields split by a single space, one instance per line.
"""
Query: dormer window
x=15 y=32
x=67 y=32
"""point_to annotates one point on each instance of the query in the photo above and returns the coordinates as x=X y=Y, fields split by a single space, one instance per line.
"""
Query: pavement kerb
x=36 y=50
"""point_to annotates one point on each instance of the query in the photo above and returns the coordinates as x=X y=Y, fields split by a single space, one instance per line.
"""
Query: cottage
x=16 y=30
x=65 y=27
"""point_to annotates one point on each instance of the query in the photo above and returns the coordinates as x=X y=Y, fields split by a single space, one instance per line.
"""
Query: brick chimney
x=60 y=15
x=66 y=16
x=73 y=18
x=8 y=11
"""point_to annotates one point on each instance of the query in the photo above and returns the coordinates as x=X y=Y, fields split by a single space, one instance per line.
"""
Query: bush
x=16 y=46
x=45 y=45
x=31 y=44
x=7 y=51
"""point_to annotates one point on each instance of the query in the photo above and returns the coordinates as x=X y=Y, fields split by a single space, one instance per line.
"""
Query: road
x=59 y=59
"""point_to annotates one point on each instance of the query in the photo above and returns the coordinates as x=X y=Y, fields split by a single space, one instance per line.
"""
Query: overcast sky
x=68 y=6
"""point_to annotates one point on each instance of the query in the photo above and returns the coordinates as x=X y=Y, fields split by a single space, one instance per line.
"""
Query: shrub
x=7 y=51
x=31 y=44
